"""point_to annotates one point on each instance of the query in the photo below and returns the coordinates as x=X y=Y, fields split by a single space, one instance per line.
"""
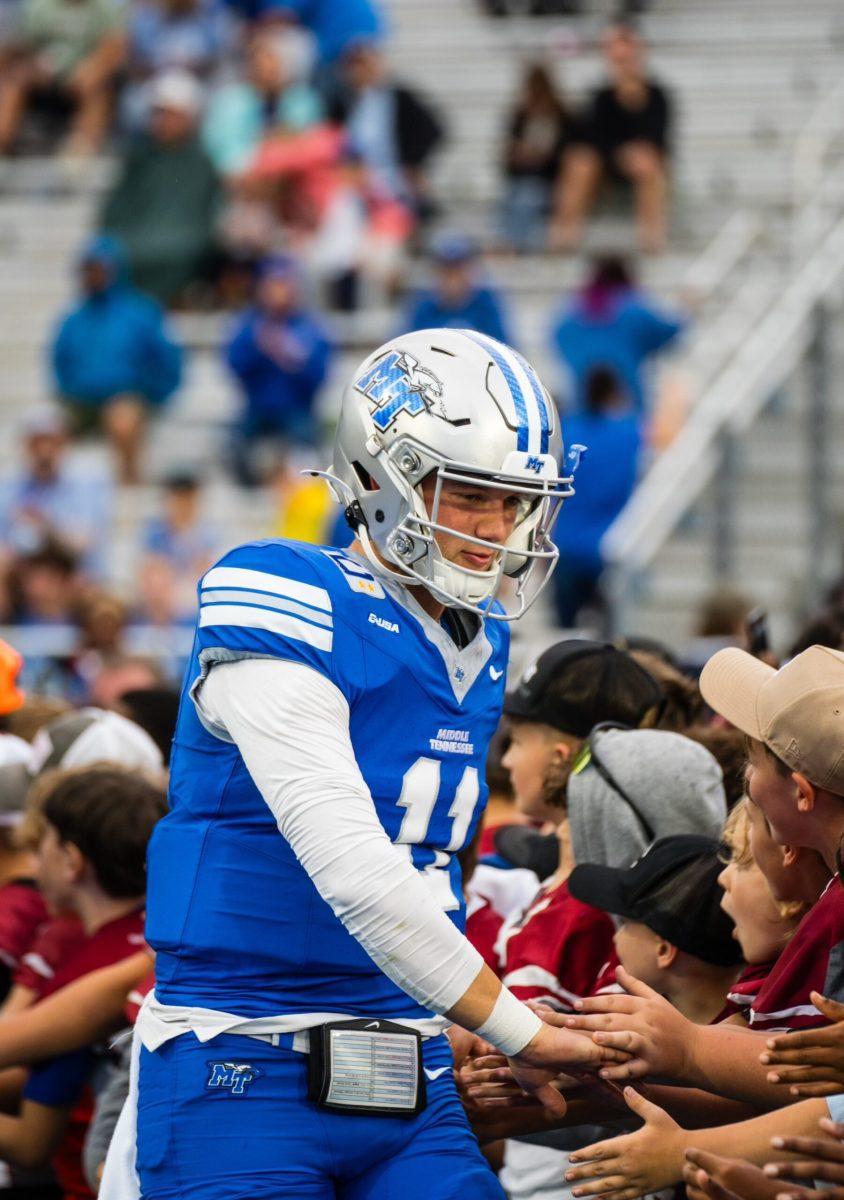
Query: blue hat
x=279 y=266
x=454 y=247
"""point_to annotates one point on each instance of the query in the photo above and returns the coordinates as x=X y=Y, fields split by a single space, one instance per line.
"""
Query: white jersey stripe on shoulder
x=534 y=976
x=262 y=581
x=799 y=1010
x=262 y=618
x=264 y=600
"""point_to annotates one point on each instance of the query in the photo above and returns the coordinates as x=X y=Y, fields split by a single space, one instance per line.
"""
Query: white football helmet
x=469 y=409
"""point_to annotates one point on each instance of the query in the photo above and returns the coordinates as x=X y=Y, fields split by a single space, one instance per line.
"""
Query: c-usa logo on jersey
x=395 y=384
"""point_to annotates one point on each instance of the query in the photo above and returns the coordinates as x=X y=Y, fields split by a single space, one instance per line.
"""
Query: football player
x=305 y=899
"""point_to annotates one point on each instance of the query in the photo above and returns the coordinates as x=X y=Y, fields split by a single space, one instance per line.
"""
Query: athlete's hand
x=810 y=1062
x=553 y=1050
x=635 y=1163
x=654 y=1035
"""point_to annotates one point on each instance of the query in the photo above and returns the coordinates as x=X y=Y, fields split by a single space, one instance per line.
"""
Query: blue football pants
x=269 y=1142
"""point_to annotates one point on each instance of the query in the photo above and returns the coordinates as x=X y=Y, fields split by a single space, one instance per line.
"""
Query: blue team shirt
x=235 y=921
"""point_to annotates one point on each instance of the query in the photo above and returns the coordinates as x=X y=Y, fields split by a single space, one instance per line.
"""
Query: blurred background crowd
x=213 y=208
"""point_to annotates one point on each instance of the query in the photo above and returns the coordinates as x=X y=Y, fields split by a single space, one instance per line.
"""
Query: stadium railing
x=795 y=328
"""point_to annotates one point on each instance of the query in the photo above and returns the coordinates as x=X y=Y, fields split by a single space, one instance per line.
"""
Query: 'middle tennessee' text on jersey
x=236 y=923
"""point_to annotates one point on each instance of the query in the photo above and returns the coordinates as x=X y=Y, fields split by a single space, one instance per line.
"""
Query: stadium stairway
x=745 y=78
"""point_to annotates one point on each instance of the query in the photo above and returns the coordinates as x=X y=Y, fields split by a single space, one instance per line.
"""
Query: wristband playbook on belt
x=366 y=1066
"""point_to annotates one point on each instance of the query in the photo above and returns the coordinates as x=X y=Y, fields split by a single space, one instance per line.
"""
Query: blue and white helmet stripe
x=545 y=418
x=534 y=423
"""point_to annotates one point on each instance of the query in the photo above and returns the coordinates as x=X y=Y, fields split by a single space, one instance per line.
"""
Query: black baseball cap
x=673 y=889
x=578 y=684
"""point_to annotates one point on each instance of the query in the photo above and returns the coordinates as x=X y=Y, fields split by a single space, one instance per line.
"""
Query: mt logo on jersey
x=231 y=1077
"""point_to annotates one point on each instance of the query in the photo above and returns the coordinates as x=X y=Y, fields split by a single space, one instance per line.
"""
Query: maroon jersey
x=137 y=996
x=606 y=981
x=744 y=991
x=811 y=962
x=110 y=944
x=483 y=925
x=55 y=942
x=557 y=949
x=22 y=913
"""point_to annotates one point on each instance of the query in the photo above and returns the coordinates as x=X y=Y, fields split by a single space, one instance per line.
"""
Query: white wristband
x=510 y=1025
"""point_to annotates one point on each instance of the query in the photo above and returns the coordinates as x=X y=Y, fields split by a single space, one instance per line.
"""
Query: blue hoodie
x=602 y=486
x=115 y=342
x=621 y=339
x=279 y=396
x=336 y=24
x=481 y=310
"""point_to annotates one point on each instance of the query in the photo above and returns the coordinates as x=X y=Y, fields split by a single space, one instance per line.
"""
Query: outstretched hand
x=551 y=1051
x=712 y=1177
x=634 y=1164
x=811 y=1061
x=825 y=1161
x=639 y=1022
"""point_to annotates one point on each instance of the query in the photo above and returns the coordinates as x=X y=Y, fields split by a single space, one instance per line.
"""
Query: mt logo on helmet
x=396 y=383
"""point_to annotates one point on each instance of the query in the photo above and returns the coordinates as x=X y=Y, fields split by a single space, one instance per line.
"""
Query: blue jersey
x=235 y=921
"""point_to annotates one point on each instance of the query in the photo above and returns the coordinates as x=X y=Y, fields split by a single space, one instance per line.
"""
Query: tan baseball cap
x=798 y=711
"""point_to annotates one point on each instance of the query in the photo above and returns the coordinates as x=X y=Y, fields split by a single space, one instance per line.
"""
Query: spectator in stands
x=611 y=324
x=336 y=27
x=459 y=298
x=102 y=618
x=92 y=863
x=605 y=480
x=44 y=586
x=178 y=547
x=625 y=136
x=721 y=620
x=391 y=129
x=165 y=35
x=123 y=672
x=164 y=205
x=49 y=498
x=274 y=92
x=70 y=54
x=113 y=359
x=538 y=129
x=279 y=354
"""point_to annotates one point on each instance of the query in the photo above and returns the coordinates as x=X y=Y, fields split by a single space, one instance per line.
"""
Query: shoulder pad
x=358 y=577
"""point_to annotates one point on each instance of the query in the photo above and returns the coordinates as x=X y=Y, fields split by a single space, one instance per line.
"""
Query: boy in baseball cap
x=572 y=687
x=672 y=932
x=794 y=722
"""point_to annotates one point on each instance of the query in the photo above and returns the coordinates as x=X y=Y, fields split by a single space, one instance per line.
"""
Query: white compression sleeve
x=291 y=725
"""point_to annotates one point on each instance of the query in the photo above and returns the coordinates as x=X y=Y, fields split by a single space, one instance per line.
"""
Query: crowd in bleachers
x=270 y=166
